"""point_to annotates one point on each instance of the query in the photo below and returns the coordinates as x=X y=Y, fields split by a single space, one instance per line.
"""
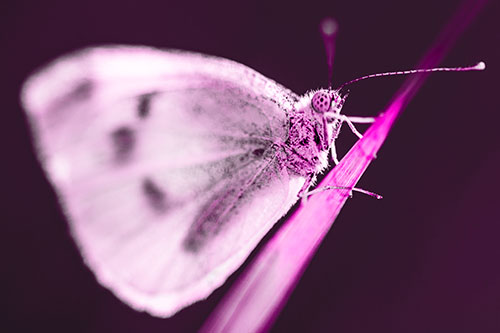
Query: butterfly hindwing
x=165 y=164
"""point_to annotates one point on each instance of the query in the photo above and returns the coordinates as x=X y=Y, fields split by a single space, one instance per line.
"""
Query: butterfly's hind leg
x=351 y=189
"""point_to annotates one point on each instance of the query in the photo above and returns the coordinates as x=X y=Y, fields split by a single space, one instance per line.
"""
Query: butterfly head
x=326 y=101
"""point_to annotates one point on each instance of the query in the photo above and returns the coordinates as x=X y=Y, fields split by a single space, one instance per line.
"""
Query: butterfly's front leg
x=351 y=120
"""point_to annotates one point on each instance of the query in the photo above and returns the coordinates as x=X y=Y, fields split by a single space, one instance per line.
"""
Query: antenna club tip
x=480 y=66
x=329 y=26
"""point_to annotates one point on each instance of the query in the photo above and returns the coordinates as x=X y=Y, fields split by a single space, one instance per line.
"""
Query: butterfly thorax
x=307 y=144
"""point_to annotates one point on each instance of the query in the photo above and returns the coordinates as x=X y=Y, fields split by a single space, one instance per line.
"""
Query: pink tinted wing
x=165 y=165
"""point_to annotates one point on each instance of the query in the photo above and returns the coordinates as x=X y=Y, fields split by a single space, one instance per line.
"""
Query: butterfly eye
x=321 y=102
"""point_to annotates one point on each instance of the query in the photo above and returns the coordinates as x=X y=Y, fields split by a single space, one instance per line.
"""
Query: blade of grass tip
x=461 y=19
x=257 y=297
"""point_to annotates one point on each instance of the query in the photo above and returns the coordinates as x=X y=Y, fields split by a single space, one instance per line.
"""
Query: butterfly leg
x=351 y=120
x=351 y=189
x=333 y=151
x=361 y=120
x=303 y=193
x=351 y=126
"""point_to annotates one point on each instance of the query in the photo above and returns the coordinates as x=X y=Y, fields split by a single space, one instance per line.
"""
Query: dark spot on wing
x=258 y=152
x=144 y=105
x=155 y=196
x=78 y=92
x=210 y=219
x=217 y=214
x=123 y=140
x=83 y=90
x=197 y=109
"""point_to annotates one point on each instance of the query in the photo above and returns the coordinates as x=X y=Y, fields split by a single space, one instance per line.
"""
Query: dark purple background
x=426 y=258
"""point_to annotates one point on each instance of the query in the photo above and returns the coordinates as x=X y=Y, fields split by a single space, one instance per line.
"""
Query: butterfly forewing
x=166 y=164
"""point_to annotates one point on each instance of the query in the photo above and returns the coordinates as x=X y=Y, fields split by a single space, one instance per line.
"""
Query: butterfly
x=171 y=166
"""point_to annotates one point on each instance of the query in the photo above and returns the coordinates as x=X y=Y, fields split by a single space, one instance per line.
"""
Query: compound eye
x=321 y=101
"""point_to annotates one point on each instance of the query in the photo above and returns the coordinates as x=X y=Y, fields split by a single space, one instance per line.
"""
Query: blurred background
x=423 y=259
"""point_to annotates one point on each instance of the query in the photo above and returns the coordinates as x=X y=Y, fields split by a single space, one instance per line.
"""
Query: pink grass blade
x=257 y=297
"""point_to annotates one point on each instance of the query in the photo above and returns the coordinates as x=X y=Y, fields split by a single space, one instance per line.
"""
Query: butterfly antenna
x=328 y=28
x=478 y=67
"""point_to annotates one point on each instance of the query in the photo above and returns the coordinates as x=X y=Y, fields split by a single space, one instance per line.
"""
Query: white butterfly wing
x=165 y=165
